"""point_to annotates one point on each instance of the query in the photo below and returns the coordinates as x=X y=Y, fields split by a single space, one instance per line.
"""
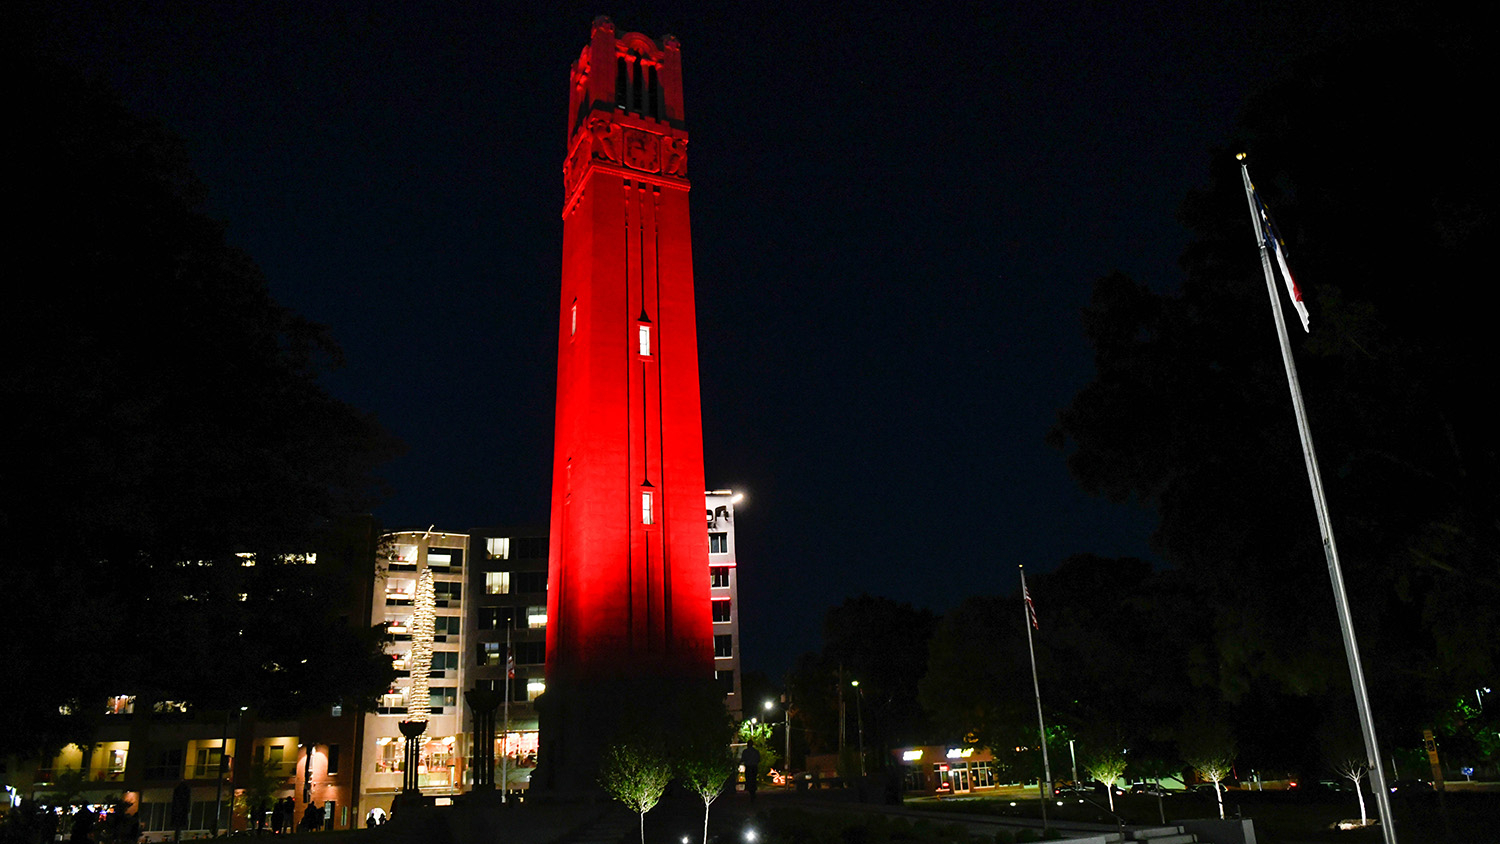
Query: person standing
x=750 y=758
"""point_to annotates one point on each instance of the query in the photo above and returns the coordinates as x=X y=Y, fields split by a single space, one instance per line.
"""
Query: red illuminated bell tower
x=628 y=583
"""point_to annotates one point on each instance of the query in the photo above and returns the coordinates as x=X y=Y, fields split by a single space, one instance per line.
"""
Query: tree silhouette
x=172 y=422
x=1189 y=413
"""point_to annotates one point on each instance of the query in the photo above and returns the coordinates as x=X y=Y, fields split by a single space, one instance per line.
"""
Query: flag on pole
x=510 y=663
x=1278 y=247
x=1030 y=608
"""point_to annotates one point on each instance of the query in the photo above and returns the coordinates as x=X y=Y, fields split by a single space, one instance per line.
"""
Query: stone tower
x=628 y=594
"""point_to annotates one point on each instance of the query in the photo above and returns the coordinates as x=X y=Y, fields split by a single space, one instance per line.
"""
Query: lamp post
x=786 y=708
x=859 y=712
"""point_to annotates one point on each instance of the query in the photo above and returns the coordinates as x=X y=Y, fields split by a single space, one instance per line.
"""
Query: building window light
x=497 y=548
x=536 y=617
x=534 y=689
x=646 y=508
x=645 y=340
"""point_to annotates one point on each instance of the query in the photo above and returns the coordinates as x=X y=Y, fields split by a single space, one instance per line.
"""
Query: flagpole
x=505 y=736
x=1325 y=527
x=1030 y=620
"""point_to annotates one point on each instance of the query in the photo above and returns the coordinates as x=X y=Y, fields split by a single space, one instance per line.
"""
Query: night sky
x=898 y=213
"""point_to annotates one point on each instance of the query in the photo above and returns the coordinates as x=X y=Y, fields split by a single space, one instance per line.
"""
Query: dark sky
x=898 y=212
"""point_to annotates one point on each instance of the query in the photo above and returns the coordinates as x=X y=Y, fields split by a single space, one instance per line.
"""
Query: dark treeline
x=1382 y=193
x=163 y=421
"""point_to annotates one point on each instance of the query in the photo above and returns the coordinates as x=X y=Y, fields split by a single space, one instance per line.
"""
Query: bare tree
x=1354 y=768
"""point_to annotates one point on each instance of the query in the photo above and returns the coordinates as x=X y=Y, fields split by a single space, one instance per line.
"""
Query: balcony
x=204 y=772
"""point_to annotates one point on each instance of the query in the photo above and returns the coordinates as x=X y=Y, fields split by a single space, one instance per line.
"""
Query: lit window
x=574 y=327
x=497 y=582
x=490 y=653
x=645 y=340
x=536 y=617
x=534 y=689
x=646 y=508
x=498 y=548
x=718 y=543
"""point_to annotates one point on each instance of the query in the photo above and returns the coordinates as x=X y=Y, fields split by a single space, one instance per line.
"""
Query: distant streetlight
x=786 y=762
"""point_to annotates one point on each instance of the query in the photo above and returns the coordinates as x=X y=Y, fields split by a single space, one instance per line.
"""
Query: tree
x=1343 y=750
x=266 y=779
x=1107 y=766
x=753 y=732
x=883 y=645
x=704 y=767
x=173 y=422
x=977 y=684
x=636 y=772
x=1354 y=768
x=1207 y=745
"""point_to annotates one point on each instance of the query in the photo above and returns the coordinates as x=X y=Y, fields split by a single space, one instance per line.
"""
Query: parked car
x=1327 y=787
x=1150 y=788
x=1411 y=786
x=1088 y=788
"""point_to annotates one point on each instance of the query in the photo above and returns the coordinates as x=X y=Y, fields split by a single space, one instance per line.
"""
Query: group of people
x=283 y=816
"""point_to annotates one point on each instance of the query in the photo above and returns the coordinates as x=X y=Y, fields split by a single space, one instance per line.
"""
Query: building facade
x=724 y=587
x=407 y=610
x=489 y=620
x=230 y=765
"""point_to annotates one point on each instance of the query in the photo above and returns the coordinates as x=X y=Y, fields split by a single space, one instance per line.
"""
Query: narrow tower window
x=646 y=508
x=645 y=341
x=574 y=329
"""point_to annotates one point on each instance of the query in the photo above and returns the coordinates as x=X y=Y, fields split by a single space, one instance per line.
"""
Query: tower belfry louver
x=628 y=595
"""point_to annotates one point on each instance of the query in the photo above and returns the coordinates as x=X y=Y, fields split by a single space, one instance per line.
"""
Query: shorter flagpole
x=505 y=735
x=1030 y=613
x=1325 y=524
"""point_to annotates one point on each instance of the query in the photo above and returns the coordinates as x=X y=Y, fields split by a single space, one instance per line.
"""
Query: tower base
x=578 y=720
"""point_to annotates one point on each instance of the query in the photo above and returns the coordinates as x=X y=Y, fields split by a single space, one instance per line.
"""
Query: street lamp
x=786 y=731
x=859 y=712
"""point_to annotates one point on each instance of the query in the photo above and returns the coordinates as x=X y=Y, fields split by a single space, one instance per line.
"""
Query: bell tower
x=628 y=600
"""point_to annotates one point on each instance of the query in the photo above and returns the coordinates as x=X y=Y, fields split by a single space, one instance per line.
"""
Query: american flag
x=1030 y=608
x=510 y=663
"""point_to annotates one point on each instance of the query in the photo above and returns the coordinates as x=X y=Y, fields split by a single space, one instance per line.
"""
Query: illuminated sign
x=911 y=755
x=960 y=752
